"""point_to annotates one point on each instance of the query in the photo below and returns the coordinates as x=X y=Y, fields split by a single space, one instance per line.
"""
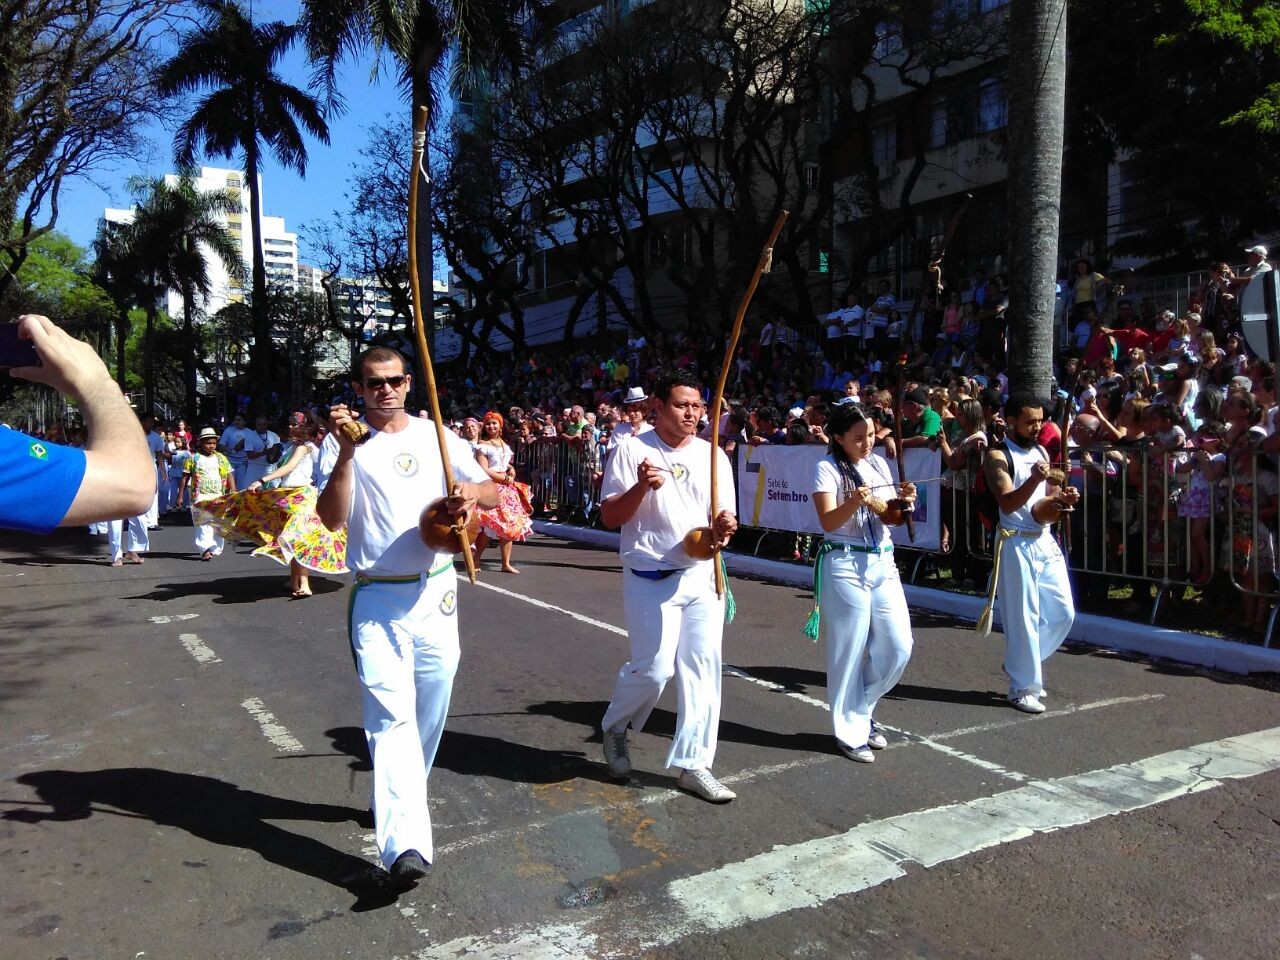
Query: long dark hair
x=842 y=417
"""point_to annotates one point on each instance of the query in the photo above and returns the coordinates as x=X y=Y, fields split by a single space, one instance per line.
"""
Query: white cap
x=635 y=395
x=1260 y=250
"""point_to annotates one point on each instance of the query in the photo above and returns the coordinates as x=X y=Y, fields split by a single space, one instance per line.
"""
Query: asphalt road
x=183 y=777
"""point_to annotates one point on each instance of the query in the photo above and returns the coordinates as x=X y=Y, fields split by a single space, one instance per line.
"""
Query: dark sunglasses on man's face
x=395 y=383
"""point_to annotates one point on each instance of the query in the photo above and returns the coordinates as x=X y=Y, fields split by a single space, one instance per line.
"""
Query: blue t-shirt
x=41 y=479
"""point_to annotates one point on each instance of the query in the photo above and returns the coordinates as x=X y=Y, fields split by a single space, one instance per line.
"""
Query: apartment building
x=279 y=246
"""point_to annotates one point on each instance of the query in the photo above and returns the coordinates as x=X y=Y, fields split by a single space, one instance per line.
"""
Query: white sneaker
x=702 y=784
x=616 y=754
x=876 y=739
x=1027 y=703
x=860 y=754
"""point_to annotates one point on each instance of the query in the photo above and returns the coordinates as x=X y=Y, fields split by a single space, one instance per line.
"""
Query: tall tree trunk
x=123 y=327
x=1037 y=97
x=260 y=355
x=189 y=352
x=149 y=359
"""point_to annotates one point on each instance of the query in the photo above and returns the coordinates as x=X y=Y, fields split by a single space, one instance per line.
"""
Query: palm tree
x=417 y=33
x=177 y=226
x=1037 y=97
x=248 y=108
x=116 y=270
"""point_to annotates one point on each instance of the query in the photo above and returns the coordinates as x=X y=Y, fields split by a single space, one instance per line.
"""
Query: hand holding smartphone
x=14 y=350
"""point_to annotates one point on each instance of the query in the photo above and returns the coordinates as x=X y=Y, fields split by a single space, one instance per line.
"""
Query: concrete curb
x=1108 y=632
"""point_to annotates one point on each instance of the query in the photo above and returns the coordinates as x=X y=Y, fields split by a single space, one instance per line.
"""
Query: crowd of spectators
x=1172 y=420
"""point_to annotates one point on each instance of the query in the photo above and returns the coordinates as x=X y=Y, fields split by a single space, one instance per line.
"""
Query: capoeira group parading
x=389 y=482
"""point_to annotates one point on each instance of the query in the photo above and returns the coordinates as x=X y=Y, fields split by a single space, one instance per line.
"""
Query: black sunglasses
x=395 y=383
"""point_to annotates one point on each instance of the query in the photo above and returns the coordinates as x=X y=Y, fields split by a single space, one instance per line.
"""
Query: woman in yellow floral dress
x=282 y=519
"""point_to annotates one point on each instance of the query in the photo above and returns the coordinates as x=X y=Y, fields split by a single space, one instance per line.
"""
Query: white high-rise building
x=279 y=247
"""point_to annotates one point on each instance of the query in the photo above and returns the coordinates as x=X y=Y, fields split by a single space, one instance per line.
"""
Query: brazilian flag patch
x=38 y=450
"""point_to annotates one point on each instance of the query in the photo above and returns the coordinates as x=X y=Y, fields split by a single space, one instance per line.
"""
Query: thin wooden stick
x=422 y=314
x=766 y=260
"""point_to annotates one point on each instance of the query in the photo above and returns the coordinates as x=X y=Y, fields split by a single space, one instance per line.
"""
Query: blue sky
x=285 y=194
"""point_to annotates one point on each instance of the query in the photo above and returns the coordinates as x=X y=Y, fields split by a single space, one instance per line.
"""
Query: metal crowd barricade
x=1126 y=527
x=561 y=478
x=1248 y=532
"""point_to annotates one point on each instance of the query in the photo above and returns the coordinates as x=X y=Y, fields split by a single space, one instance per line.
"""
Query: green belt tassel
x=730 y=605
x=815 y=619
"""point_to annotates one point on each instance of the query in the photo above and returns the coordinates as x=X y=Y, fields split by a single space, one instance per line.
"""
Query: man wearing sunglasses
x=403 y=614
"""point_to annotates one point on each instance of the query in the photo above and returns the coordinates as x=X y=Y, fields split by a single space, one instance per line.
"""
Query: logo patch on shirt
x=38 y=450
x=679 y=471
x=406 y=464
x=449 y=603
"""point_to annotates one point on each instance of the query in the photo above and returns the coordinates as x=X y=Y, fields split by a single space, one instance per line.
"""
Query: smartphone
x=15 y=352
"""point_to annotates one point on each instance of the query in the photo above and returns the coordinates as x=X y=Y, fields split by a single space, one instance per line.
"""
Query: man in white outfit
x=263 y=438
x=236 y=443
x=657 y=487
x=128 y=540
x=1036 y=607
x=403 y=612
x=635 y=405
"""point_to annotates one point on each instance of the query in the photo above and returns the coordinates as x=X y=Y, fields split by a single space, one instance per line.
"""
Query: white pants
x=675 y=627
x=405 y=639
x=207 y=537
x=868 y=632
x=1036 y=609
x=152 y=517
x=136 y=541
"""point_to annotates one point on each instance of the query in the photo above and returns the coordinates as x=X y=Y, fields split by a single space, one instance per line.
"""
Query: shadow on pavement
x=662 y=723
x=977 y=698
x=213 y=810
x=477 y=755
x=236 y=589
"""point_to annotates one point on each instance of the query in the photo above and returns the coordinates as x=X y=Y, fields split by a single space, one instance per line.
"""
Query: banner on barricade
x=775 y=487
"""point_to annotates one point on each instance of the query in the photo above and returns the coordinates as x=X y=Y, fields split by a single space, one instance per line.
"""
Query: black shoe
x=408 y=869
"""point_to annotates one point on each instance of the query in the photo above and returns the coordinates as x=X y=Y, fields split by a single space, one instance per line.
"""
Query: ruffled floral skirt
x=283 y=521
x=509 y=520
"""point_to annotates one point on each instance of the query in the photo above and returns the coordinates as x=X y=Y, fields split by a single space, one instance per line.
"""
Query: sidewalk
x=1114 y=634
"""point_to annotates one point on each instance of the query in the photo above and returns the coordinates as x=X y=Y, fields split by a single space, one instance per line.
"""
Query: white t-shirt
x=653 y=538
x=396 y=476
x=853 y=322
x=155 y=443
x=864 y=527
x=835 y=324
x=256 y=441
x=766 y=335
x=233 y=435
x=623 y=430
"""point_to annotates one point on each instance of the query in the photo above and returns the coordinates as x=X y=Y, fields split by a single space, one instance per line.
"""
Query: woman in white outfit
x=856 y=584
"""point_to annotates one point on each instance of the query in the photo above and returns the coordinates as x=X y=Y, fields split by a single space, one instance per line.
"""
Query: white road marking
x=929 y=742
x=551 y=606
x=173 y=618
x=1062 y=712
x=197 y=648
x=805 y=875
x=280 y=737
x=5 y=576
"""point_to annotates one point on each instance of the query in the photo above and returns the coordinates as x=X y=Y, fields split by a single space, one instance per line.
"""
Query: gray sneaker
x=702 y=784
x=876 y=739
x=860 y=754
x=616 y=754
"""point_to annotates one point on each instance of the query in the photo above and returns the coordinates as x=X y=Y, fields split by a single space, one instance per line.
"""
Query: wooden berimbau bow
x=437 y=527
x=700 y=542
